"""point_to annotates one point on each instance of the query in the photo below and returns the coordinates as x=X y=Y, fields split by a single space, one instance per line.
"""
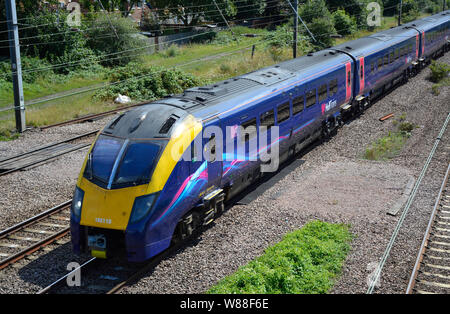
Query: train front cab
x=113 y=216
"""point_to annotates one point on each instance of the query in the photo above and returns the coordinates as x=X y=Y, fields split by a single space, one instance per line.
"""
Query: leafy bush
x=305 y=261
x=117 y=50
x=439 y=71
x=281 y=37
x=28 y=63
x=386 y=147
x=322 y=28
x=172 y=51
x=314 y=9
x=410 y=11
x=146 y=83
x=344 y=24
x=52 y=38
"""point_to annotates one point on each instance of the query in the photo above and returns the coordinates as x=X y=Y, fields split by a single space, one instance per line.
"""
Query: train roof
x=247 y=86
x=155 y=119
x=429 y=21
x=365 y=45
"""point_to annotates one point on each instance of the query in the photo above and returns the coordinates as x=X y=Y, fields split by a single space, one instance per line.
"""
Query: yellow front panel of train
x=109 y=209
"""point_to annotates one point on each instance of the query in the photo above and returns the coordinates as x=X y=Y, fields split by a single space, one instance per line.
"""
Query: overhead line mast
x=16 y=65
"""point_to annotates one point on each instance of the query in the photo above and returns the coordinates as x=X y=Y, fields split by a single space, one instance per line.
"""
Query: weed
x=306 y=261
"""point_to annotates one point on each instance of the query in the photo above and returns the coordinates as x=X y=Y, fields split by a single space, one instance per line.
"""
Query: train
x=159 y=172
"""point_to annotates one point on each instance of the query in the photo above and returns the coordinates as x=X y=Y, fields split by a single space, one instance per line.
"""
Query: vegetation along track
x=431 y=273
x=33 y=234
x=43 y=154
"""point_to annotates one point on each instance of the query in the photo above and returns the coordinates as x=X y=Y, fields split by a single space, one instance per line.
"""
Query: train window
x=372 y=67
x=397 y=53
x=298 y=104
x=380 y=63
x=323 y=92
x=249 y=130
x=334 y=87
x=311 y=98
x=137 y=164
x=391 y=57
x=267 y=119
x=283 y=112
x=386 y=59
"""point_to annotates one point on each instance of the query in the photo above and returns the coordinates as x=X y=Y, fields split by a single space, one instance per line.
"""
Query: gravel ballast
x=335 y=184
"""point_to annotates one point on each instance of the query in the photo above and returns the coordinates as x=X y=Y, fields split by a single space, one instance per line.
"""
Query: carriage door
x=348 y=81
x=361 y=76
x=423 y=44
x=213 y=141
x=417 y=46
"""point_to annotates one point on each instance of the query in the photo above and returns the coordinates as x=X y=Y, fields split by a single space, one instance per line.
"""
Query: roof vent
x=168 y=124
x=348 y=47
x=113 y=124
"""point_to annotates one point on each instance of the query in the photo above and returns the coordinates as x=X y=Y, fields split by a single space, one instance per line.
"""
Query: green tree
x=192 y=12
x=344 y=24
x=250 y=9
x=322 y=28
x=410 y=10
x=124 y=47
x=314 y=9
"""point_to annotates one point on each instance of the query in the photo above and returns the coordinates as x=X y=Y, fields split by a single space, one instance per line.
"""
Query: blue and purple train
x=137 y=193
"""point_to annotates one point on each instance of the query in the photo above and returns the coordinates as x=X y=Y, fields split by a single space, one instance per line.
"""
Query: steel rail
x=50 y=145
x=426 y=237
x=36 y=246
x=39 y=161
x=406 y=209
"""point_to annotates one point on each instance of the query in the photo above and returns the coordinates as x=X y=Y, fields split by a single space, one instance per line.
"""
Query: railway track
x=431 y=273
x=109 y=276
x=43 y=154
x=33 y=234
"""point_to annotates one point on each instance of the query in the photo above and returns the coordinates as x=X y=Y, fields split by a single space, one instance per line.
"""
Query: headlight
x=142 y=206
x=77 y=202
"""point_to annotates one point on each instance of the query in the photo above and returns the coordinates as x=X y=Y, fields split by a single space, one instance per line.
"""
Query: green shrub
x=172 y=51
x=439 y=71
x=281 y=37
x=344 y=24
x=146 y=83
x=117 y=51
x=28 y=64
x=386 y=147
x=323 y=28
x=305 y=261
x=52 y=38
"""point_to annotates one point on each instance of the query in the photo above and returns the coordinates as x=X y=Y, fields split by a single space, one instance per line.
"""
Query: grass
x=386 y=147
x=390 y=145
x=439 y=76
x=307 y=261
